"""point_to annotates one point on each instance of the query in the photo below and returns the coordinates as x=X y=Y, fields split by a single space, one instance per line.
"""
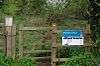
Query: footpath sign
x=72 y=37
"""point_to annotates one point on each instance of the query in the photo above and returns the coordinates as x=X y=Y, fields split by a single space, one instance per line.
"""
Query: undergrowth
x=6 y=61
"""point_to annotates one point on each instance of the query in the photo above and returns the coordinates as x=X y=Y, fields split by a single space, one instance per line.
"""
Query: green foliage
x=4 y=61
x=10 y=7
x=31 y=7
x=98 y=39
x=44 y=7
x=69 y=52
x=72 y=8
x=78 y=8
x=1 y=3
x=25 y=61
x=79 y=57
x=85 y=59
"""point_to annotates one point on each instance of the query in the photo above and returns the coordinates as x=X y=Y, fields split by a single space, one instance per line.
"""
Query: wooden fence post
x=54 y=45
x=13 y=41
x=88 y=40
x=8 y=32
x=20 y=42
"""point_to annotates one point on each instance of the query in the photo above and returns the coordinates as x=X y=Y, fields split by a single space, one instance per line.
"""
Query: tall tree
x=94 y=10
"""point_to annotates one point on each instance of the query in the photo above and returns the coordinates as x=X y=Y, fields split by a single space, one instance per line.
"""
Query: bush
x=82 y=60
x=25 y=61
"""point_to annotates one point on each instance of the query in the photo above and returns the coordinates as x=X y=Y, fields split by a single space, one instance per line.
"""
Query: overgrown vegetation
x=25 y=61
x=80 y=57
x=43 y=13
x=84 y=59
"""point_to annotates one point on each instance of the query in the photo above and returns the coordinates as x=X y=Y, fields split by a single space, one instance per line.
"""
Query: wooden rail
x=49 y=57
x=41 y=58
x=37 y=51
x=43 y=28
x=33 y=28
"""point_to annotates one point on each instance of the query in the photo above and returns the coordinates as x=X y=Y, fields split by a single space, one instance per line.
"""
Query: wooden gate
x=9 y=35
x=23 y=50
x=50 y=60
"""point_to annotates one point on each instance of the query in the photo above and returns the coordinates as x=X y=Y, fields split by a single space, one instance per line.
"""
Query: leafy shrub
x=66 y=52
x=25 y=61
x=86 y=59
x=4 y=61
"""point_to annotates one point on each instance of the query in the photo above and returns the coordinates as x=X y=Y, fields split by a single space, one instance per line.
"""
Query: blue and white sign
x=72 y=37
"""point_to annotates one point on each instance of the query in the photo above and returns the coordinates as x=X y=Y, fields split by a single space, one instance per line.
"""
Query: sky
x=56 y=2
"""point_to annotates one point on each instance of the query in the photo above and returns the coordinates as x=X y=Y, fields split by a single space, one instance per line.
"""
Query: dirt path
x=44 y=63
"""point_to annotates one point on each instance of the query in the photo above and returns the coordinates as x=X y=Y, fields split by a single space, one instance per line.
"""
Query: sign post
x=72 y=37
x=8 y=32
